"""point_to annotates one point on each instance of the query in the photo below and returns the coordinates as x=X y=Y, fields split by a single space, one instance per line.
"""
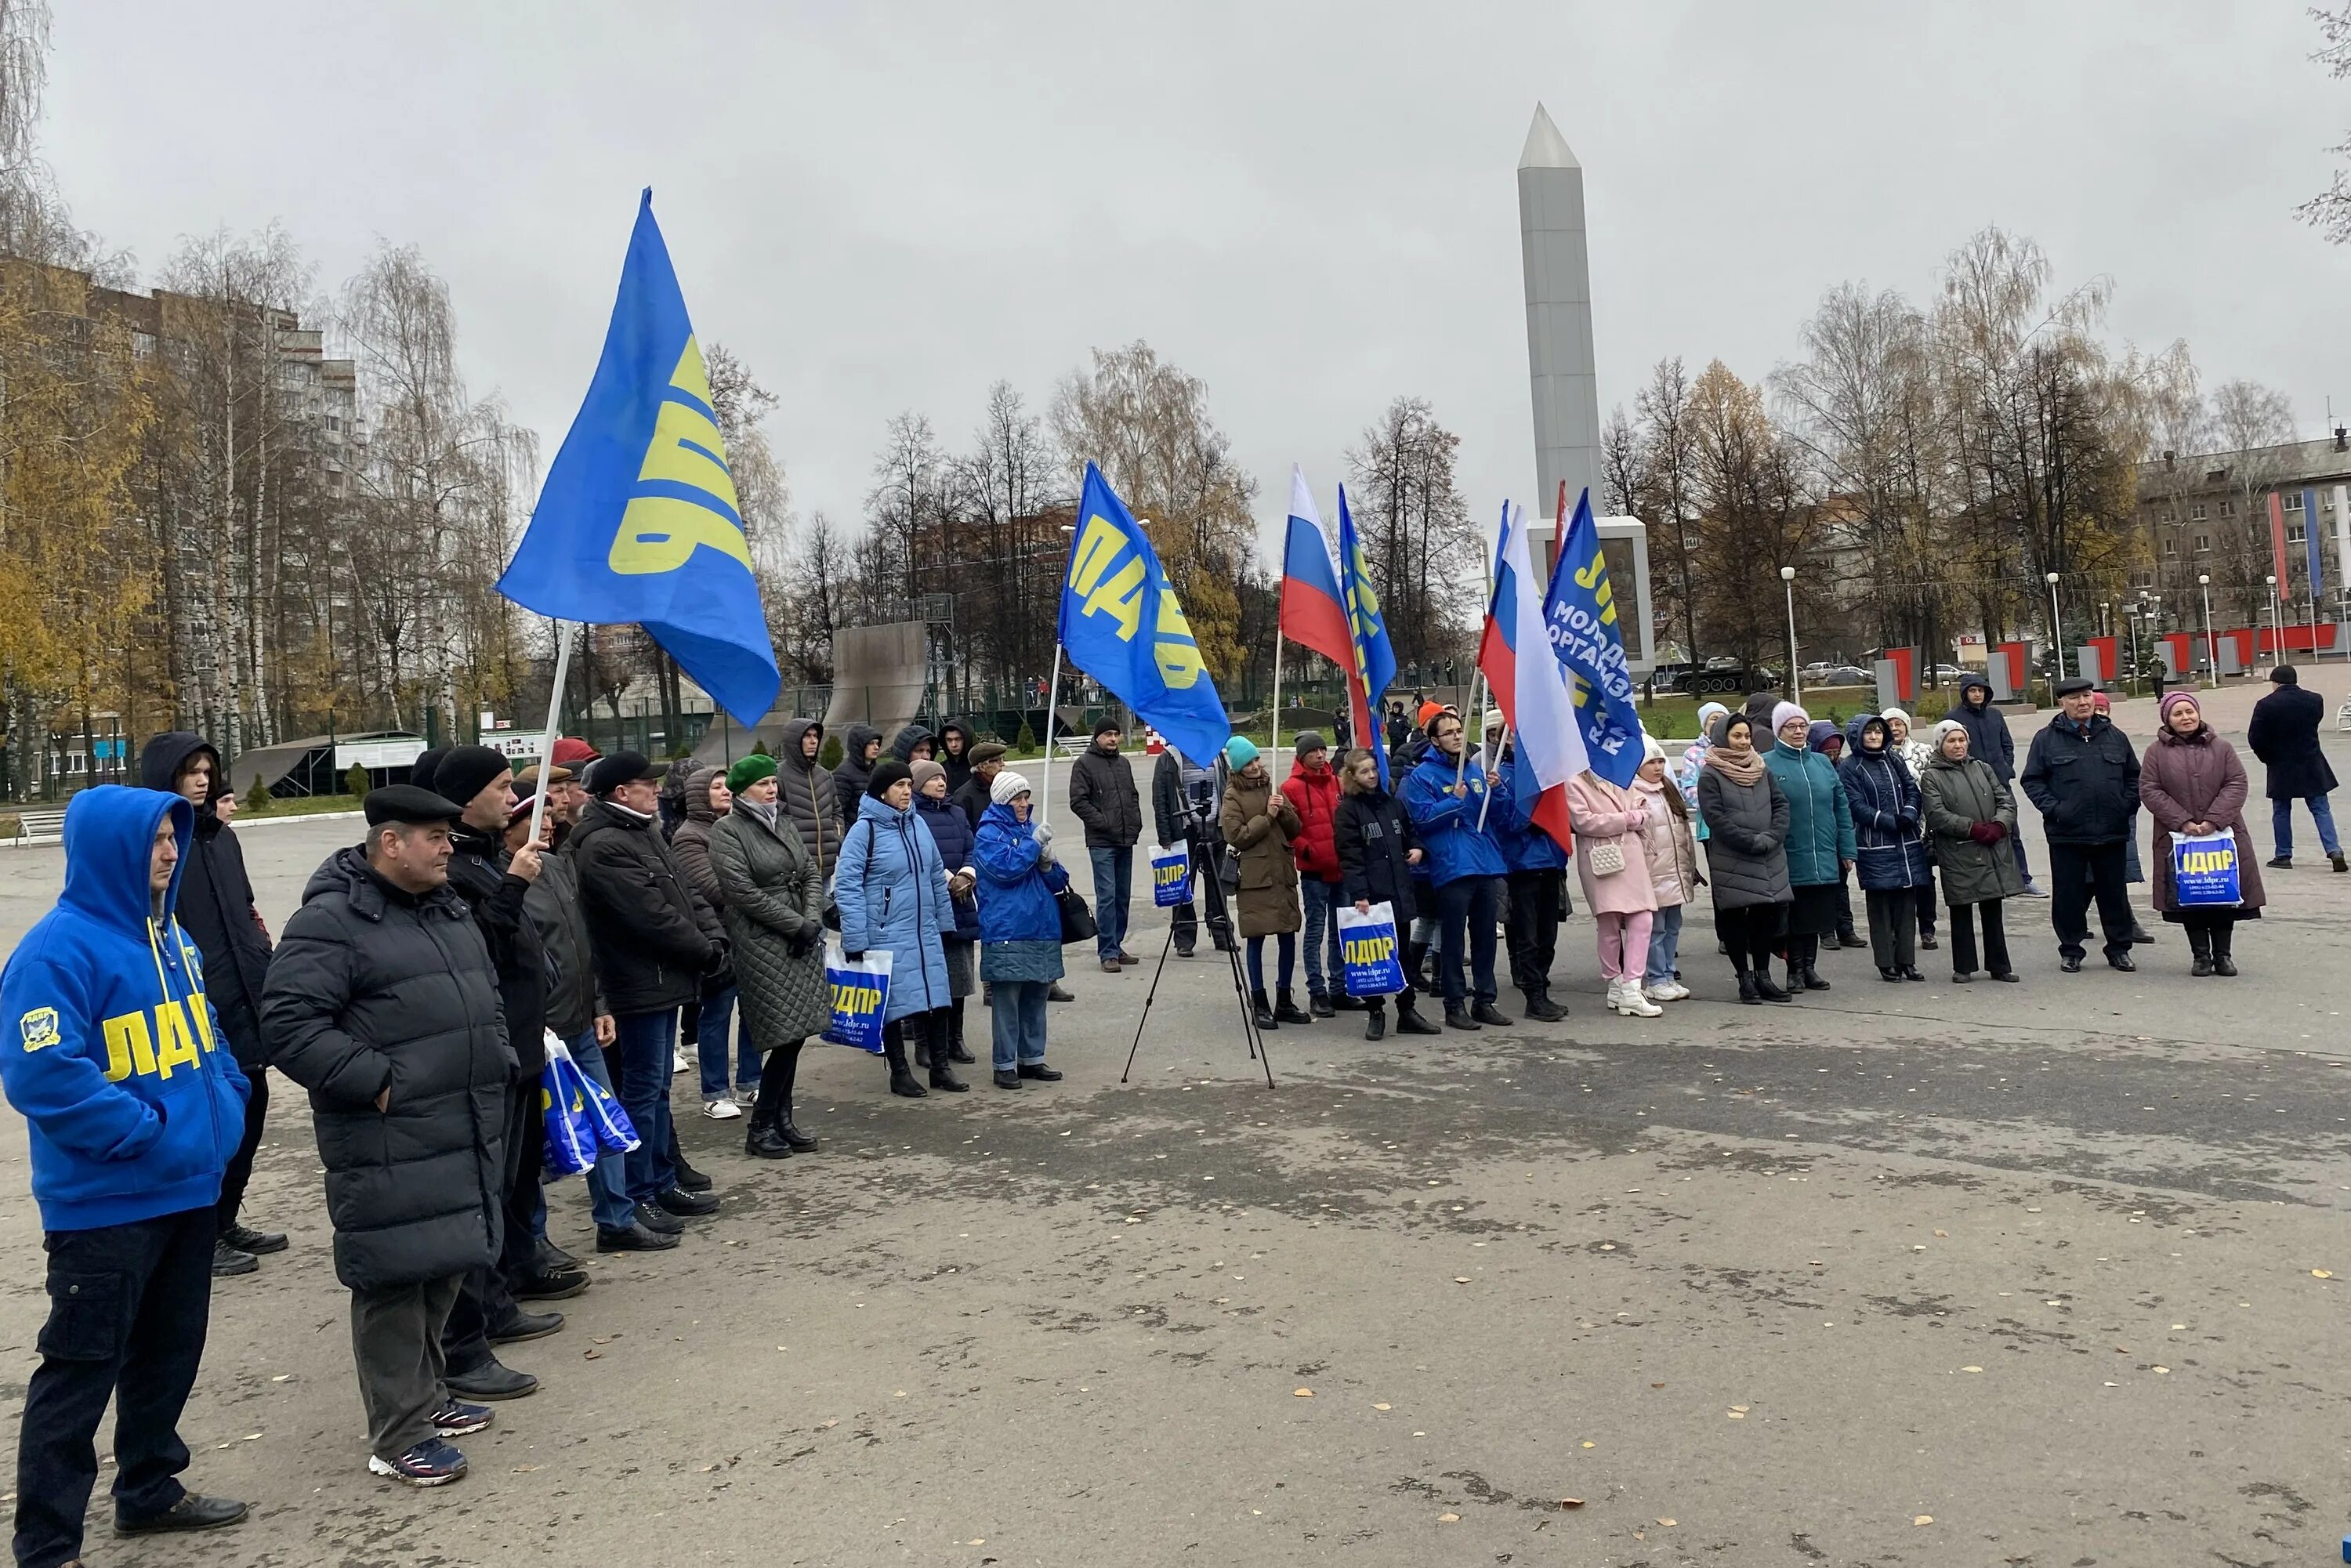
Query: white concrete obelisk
x=1559 y=321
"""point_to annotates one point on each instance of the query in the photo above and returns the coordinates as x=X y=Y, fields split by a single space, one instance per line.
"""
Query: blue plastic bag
x=1367 y=945
x=1171 y=876
x=563 y=1106
x=2204 y=872
x=615 y=1134
x=861 y=997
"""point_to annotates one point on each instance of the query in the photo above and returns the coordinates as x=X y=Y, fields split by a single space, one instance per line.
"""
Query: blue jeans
x=2321 y=811
x=1286 y=945
x=1113 y=885
x=1326 y=976
x=1665 y=945
x=1465 y=909
x=710 y=1045
x=646 y=1042
x=1016 y=1021
x=608 y=1178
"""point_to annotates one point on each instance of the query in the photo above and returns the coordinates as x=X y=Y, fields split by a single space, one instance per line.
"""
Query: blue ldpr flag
x=1121 y=624
x=638 y=520
x=1375 y=665
x=2317 y=557
x=1579 y=616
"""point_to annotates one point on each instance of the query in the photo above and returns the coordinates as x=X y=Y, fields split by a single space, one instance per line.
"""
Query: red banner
x=2277 y=539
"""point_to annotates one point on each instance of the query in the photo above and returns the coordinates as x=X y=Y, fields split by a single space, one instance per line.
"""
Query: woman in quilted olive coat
x=775 y=921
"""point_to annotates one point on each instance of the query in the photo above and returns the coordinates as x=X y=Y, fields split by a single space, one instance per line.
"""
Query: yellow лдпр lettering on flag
x=661 y=532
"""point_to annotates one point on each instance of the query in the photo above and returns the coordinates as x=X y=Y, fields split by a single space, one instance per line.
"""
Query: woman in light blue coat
x=892 y=888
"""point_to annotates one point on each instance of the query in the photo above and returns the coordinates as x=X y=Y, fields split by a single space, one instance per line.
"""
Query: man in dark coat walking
x=1990 y=743
x=383 y=1003
x=2083 y=775
x=2284 y=735
x=1103 y=797
x=216 y=908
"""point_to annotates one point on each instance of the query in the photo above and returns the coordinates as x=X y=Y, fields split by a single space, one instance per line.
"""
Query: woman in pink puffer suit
x=1623 y=904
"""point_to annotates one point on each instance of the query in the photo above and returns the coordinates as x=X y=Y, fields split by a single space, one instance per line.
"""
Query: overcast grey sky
x=1311 y=206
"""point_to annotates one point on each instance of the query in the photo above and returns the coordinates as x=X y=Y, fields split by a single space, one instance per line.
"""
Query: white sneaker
x=1666 y=991
x=721 y=1110
x=747 y=1096
x=677 y=1062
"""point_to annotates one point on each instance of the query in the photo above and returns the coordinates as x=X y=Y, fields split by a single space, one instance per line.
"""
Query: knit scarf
x=1743 y=767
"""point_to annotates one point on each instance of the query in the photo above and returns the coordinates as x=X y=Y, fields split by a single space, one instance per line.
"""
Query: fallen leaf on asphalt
x=1379 y=1407
x=281 y=1377
x=834 y=1422
x=1741 y=1409
x=1460 y=1278
x=1656 y=1386
x=982 y=1539
x=1448 y=1519
x=2161 y=1371
x=1735 y=1415
x=1302 y=1393
x=1971 y=1369
x=525 y=1470
x=1924 y=1518
x=592 y=1355
x=1591 y=1444
x=253 y=1436
x=1608 y=1247
x=2321 y=1273
x=1943 y=1233
x=897 y=1394
x=1571 y=1502
x=602 y=1339
x=1666 y=1522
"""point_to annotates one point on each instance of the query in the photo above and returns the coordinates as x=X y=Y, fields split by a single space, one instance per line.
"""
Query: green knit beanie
x=749 y=771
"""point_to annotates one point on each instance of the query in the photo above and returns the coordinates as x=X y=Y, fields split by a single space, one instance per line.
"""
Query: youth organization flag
x=1580 y=613
x=1531 y=688
x=1121 y=624
x=638 y=520
x=1375 y=663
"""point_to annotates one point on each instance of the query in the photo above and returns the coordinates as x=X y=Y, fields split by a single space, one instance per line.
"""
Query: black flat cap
x=607 y=774
x=2078 y=683
x=407 y=803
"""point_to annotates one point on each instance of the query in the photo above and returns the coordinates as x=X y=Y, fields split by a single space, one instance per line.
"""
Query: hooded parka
x=215 y=899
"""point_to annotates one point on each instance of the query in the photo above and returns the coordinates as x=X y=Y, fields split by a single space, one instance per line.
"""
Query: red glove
x=1985 y=833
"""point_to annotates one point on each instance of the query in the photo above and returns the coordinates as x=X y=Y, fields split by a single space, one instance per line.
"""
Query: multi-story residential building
x=2207 y=515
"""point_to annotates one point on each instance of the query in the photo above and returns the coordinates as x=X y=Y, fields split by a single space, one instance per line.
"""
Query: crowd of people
x=596 y=906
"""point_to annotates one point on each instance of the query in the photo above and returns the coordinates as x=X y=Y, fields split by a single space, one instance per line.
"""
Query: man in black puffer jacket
x=216 y=908
x=861 y=749
x=383 y=1003
x=654 y=941
x=481 y=783
x=2083 y=777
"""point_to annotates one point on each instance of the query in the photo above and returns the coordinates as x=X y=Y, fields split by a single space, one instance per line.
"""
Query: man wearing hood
x=1103 y=797
x=914 y=743
x=133 y=1112
x=861 y=749
x=1989 y=742
x=956 y=740
x=807 y=793
x=216 y=909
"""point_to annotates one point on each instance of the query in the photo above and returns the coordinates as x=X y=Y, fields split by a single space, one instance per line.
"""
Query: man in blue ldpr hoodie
x=135 y=1107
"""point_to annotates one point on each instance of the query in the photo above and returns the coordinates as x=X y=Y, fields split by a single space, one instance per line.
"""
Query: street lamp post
x=2056 y=639
x=2130 y=678
x=1788 y=583
x=2277 y=623
x=2211 y=645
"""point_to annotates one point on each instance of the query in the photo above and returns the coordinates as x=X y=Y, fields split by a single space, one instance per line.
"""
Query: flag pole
x=1488 y=800
x=563 y=631
x=1273 y=742
x=1045 y=774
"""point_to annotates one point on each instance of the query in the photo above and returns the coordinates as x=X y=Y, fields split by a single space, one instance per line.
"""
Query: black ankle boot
x=955 y=1051
x=1747 y=991
x=1766 y=988
x=942 y=1076
x=901 y=1081
x=1262 y=1012
x=1408 y=1018
x=1811 y=979
x=1286 y=1009
x=2200 y=943
x=1376 y=1026
x=2224 y=941
x=764 y=1140
x=1320 y=1005
x=1542 y=1009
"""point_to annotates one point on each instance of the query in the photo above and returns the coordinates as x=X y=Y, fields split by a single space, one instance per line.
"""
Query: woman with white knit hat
x=1019 y=927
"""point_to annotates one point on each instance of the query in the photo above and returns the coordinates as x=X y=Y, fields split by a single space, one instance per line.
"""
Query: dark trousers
x=128 y=1305
x=486 y=1295
x=1751 y=933
x=1533 y=927
x=646 y=1042
x=526 y=1168
x=1923 y=895
x=1187 y=918
x=1963 y=938
x=1464 y=914
x=240 y=1164
x=396 y=1344
x=2076 y=871
x=1893 y=937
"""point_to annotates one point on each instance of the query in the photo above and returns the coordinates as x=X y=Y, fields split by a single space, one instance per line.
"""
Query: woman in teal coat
x=1820 y=840
x=892 y=888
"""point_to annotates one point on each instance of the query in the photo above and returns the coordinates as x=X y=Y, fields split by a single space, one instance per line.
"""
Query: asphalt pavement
x=2039 y=1274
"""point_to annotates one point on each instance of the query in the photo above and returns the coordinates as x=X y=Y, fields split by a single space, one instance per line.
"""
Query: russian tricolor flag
x=1313 y=613
x=1532 y=695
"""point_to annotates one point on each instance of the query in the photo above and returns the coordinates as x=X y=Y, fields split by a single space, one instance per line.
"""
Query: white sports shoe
x=1669 y=991
x=721 y=1110
x=677 y=1062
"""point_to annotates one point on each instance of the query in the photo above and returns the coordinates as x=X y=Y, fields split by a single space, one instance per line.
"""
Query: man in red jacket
x=1313 y=788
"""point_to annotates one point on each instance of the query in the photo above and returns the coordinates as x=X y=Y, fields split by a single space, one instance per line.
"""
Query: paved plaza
x=2044 y=1274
